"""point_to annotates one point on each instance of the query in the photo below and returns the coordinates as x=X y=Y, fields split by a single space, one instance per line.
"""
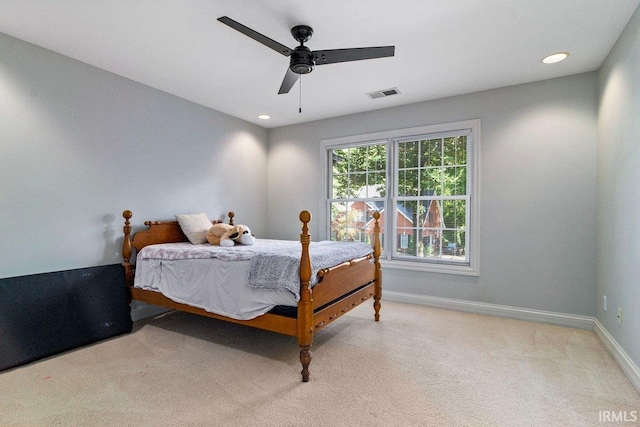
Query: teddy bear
x=228 y=235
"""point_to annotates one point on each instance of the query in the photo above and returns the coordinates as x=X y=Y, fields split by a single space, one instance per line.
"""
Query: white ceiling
x=443 y=47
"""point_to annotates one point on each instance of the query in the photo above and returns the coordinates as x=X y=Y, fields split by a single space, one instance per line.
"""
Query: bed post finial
x=231 y=214
x=126 y=248
x=305 y=306
x=377 y=292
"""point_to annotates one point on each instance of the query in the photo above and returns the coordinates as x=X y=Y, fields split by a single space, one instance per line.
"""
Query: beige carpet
x=418 y=367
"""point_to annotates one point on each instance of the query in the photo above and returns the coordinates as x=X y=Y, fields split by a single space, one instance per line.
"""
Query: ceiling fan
x=303 y=60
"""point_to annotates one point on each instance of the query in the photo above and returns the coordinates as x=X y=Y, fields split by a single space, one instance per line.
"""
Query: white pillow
x=195 y=227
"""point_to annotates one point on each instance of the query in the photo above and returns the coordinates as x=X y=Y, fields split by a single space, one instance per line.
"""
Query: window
x=358 y=188
x=431 y=198
x=423 y=181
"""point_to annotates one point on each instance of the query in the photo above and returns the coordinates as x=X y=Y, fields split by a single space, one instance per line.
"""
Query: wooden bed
x=338 y=290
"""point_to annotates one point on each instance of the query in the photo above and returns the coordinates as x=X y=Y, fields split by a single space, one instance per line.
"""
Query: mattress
x=219 y=280
x=215 y=285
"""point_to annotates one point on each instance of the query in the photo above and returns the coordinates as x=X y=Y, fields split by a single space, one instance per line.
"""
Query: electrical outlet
x=619 y=316
x=604 y=302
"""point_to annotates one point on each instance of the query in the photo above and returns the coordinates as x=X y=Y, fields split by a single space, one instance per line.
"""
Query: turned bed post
x=126 y=249
x=305 y=305
x=377 y=292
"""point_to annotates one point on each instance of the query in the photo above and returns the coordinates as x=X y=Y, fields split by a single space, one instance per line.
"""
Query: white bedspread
x=241 y=282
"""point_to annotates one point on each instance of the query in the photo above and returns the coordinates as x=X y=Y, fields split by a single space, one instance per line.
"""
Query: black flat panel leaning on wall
x=45 y=314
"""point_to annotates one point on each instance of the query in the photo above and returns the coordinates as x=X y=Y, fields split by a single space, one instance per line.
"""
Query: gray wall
x=79 y=145
x=538 y=190
x=619 y=190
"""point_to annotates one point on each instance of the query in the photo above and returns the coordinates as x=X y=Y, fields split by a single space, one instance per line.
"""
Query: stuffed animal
x=228 y=235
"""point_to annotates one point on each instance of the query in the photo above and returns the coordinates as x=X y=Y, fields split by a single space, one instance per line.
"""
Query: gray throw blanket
x=281 y=269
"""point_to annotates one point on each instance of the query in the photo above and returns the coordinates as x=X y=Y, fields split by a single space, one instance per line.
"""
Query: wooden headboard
x=158 y=232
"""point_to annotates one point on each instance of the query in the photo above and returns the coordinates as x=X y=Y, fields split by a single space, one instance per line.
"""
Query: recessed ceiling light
x=264 y=116
x=555 y=57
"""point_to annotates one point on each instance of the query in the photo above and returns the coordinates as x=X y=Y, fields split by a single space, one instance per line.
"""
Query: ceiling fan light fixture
x=301 y=60
x=301 y=68
x=555 y=57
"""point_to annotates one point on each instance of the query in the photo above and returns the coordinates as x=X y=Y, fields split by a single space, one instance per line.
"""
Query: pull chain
x=300 y=98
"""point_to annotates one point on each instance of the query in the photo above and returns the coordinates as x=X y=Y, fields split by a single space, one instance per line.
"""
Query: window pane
x=339 y=187
x=353 y=221
x=454 y=214
x=461 y=181
x=408 y=182
x=339 y=177
x=378 y=157
x=339 y=161
x=449 y=243
x=455 y=181
x=432 y=217
x=431 y=182
x=431 y=152
x=348 y=192
x=449 y=157
x=406 y=233
x=461 y=150
x=408 y=154
x=430 y=240
x=431 y=223
x=405 y=241
x=345 y=221
x=338 y=223
x=407 y=212
x=358 y=159
x=358 y=184
x=379 y=182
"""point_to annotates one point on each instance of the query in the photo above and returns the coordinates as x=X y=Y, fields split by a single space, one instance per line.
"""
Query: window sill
x=463 y=270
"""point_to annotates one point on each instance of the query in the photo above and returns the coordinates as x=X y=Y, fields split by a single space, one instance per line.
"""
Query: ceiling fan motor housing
x=302 y=60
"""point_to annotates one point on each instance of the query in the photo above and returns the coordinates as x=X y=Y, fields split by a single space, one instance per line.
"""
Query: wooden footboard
x=340 y=288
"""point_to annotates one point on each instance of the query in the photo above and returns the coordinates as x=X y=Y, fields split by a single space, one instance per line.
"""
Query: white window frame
x=473 y=174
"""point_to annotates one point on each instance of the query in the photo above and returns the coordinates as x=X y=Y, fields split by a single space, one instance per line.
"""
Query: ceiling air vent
x=383 y=93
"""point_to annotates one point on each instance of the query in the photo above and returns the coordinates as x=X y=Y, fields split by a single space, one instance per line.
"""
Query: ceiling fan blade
x=278 y=47
x=355 y=54
x=289 y=80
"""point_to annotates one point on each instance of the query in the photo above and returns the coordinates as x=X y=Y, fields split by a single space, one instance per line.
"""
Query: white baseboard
x=621 y=357
x=561 y=319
